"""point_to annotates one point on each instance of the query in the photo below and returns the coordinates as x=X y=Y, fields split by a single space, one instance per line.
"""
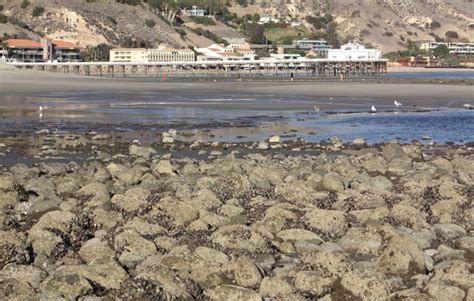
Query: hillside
x=387 y=24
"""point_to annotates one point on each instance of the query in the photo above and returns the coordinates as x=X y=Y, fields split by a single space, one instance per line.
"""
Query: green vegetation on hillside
x=37 y=11
x=203 y=20
x=209 y=35
x=25 y=4
x=441 y=53
x=99 y=53
x=286 y=34
x=150 y=23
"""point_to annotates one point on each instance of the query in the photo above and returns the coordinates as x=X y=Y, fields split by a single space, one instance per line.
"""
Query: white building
x=142 y=55
x=454 y=48
x=268 y=19
x=354 y=51
x=163 y=54
x=225 y=53
x=194 y=12
x=128 y=55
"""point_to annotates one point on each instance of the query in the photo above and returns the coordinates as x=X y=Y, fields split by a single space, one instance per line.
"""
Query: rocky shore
x=95 y=217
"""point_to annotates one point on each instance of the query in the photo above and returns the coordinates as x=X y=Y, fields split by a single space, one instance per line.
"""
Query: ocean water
x=441 y=126
x=288 y=116
x=431 y=74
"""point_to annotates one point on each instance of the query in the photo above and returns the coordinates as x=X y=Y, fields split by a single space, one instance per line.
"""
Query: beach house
x=25 y=50
x=354 y=51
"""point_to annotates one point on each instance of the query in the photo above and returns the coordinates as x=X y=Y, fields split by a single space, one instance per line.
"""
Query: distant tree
x=1 y=7
x=3 y=19
x=150 y=23
x=203 y=20
x=332 y=36
x=413 y=48
x=99 y=53
x=435 y=24
x=37 y=11
x=256 y=17
x=256 y=33
x=441 y=52
x=129 y=2
x=25 y=4
x=451 y=35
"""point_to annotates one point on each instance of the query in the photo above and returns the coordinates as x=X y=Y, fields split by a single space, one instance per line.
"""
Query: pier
x=301 y=68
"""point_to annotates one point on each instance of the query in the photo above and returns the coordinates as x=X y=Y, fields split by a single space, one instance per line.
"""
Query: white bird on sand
x=397 y=104
x=468 y=106
x=316 y=109
x=331 y=98
x=373 y=109
x=40 y=108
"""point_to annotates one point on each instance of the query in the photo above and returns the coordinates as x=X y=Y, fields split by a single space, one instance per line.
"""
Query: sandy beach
x=434 y=95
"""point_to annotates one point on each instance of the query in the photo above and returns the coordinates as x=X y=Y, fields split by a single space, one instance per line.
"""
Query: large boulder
x=314 y=283
x=366 y=287
x=133 y=248
x=400 y=255
x=96 y=193
x=275 y=287
x=66 y=283
x=96 y=249
x=245 y=272
x=141 y=151
x=133 y=200
x=231 y=293
x=330 y=222
x=392 y=150
x=46 y=234
x=163 y=167
x=237 y=237
x=127 y=175
x=332 y=182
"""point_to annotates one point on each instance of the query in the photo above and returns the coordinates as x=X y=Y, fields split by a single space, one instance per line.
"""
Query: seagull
x=467 y=106
x=331 y=98
x=316 y=109
x=40 y=108
x=373 y=109
x=397 y=104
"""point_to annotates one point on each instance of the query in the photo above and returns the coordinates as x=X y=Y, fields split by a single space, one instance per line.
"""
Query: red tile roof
x=65 y=44
x=23 y=43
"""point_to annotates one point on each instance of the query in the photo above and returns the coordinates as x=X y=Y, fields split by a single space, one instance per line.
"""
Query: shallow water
x=246 y=117
x=431 y=74
x=441 y=126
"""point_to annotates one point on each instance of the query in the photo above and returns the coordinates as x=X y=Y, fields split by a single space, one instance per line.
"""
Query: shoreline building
x=219 y=52
x=25 y=50
x=454 y=48
x=320 y=47
x=64 y=51
x=170 y=55
x=143 y=55
x=354 y=51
